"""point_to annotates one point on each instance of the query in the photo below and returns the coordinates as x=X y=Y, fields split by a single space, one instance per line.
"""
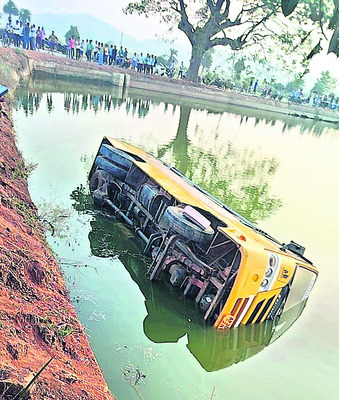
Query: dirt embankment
x=37 y=319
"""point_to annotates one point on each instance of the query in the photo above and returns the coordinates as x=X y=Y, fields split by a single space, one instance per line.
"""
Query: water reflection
x=239 y=179
x=77 y=102
x=49 y=100
x=29 y=102
x=79 y=98
x=170 y=317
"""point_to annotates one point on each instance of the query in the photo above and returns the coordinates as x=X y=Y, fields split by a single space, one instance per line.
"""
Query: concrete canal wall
x=77 y=73
x=44 y=65
x=228 y=97
x=37 y=319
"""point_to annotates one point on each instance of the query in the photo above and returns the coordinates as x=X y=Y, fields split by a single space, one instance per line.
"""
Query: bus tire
x=175 y=220
x=99 y=181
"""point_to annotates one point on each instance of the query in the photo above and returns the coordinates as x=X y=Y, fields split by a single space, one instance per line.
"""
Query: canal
x=282 y=173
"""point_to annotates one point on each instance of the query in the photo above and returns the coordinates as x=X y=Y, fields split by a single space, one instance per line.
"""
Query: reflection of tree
x=29 y=102
x=49 y=103
x=141 y=106
x=179 y=145
x=240 y=180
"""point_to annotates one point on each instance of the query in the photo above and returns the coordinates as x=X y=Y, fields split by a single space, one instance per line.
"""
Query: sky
x=143 y=28
x=109 y=11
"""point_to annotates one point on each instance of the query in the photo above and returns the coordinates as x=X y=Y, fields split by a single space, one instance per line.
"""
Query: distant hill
x=93 y=28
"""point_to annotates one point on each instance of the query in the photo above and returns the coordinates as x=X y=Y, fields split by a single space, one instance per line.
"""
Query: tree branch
x=321 y=20
x=245 y=36
x=184 y=25
x=227 y=8
x=219 y=21
x=228 y=24
x=235 y=44
x=211 y=5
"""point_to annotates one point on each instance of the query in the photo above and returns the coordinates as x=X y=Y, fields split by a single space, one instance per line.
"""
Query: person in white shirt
x=32 y=37
x=77 y=49
x=9 y=32
x=82 y=49
x=140 y=66
x=16 y=34
x=134 y=61
x=43 y=36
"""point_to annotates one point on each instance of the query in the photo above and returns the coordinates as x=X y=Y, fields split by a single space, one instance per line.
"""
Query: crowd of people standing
x=32 y=37
x=106 y=54
x=27 y=35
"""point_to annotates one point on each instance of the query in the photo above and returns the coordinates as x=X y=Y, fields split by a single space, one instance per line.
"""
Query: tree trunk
x=193 y=70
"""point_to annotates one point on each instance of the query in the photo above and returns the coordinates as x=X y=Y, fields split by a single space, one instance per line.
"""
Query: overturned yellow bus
x=235 y=272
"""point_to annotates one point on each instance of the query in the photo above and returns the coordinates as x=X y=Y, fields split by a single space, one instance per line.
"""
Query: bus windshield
x=302 y=285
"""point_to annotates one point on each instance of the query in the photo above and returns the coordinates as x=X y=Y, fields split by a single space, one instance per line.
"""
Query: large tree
x=210 y=23
x=10 y=8
x=73 y=31
x=25 y=15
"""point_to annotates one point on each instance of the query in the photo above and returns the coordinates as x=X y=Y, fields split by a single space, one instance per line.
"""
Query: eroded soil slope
x=37 y=319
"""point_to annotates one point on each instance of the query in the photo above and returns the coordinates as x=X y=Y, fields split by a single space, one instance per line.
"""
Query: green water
x=281 y=173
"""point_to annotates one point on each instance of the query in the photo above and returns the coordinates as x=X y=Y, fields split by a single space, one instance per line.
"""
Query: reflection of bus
x=234 y=271
x=168 y=320
x=217 y=350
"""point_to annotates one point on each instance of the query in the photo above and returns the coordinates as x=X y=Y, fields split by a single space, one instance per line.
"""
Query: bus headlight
x=269 y=272
x=272 y=270
x=264 y=283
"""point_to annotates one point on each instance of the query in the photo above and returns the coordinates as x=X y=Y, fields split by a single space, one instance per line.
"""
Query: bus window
x=302 y=285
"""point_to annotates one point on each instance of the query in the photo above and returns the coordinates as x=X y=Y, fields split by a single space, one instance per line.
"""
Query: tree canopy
x=10 y=8
x=296 y=84
x=319 y=12
x=325 y=83
x=210 y=23
x=25 y=15
x=173 y=57
x=73 y=31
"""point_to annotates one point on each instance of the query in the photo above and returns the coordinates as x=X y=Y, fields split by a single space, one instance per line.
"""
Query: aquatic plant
x=134 y=376
x=54 y=218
